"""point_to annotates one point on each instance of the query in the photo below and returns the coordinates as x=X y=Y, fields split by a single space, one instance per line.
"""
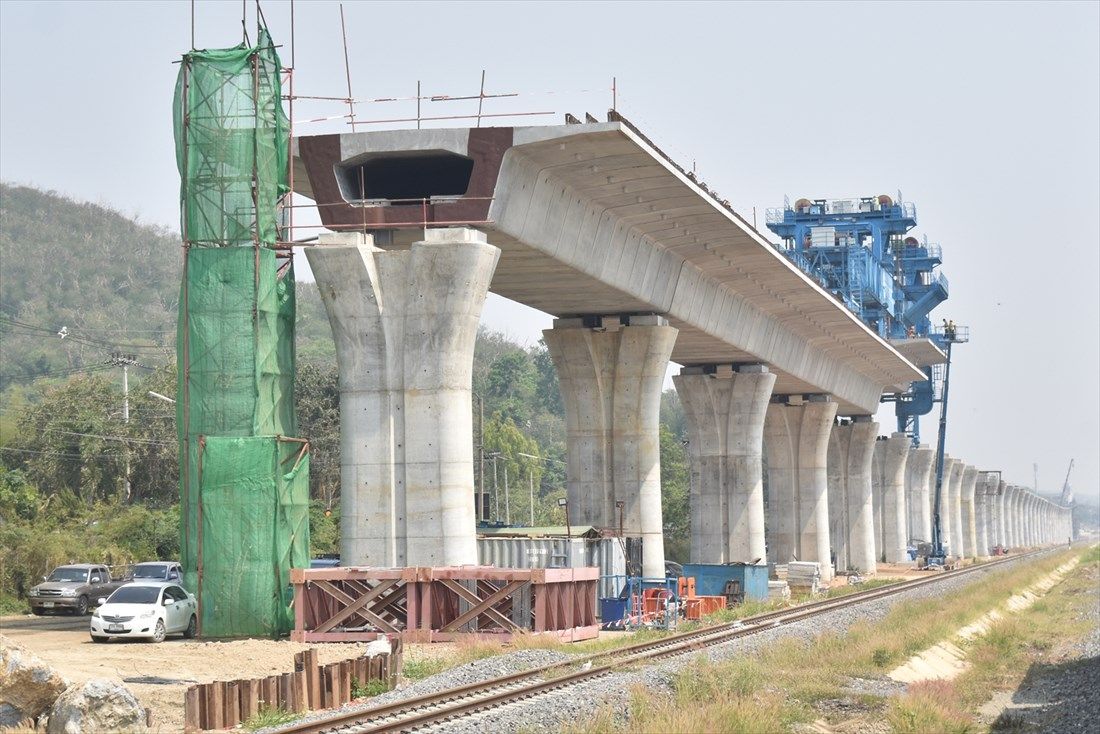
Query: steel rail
x=463 y=700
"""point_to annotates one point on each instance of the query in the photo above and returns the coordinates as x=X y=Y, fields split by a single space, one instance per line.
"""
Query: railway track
x=422 y=711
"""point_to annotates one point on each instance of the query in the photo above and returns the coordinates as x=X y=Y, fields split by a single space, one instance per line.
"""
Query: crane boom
x=1067 y=492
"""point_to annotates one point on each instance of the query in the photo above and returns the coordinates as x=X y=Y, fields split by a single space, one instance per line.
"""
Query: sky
x=986 y=115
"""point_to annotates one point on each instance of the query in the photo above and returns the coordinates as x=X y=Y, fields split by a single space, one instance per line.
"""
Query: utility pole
x=118 y=359
x=481 y=497
x=531 y=478
x=496 y=490
x=507 y=503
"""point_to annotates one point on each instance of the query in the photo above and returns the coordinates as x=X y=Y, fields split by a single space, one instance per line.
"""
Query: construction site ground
x=158 y=674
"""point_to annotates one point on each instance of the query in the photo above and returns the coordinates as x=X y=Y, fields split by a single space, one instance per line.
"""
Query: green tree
x=510 y=386
x=68 y=440
x=675 y=493
x=317 y=398
x=509 y=444
x=548 y=391
x=154 y=446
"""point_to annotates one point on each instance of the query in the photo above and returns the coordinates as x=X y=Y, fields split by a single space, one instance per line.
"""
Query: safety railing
x=773 y=215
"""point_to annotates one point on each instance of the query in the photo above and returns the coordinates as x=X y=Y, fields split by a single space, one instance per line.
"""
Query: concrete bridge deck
x=594 y=219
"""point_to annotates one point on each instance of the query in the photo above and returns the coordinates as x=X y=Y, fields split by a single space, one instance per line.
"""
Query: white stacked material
x=804 y=575
x=779 y=590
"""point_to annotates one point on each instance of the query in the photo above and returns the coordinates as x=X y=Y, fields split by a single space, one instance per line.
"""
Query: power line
x=109 y=438
x=75 y=337
x=63 y=455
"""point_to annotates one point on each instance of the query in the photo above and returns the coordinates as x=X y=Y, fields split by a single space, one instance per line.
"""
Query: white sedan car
x=145 y=609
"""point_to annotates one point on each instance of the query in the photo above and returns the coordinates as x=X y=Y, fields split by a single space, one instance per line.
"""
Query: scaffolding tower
x=244 y=485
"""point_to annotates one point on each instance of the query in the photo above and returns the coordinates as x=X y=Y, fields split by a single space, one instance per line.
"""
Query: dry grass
x=782 y=684
x=931 y=706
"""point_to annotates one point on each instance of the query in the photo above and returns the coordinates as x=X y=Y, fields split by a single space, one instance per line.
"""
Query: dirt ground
x=904 y=571
x=157 y=674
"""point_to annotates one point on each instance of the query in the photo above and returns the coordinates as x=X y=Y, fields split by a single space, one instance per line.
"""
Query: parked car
x=146 y=609
x=73 y=588
x=156 y=571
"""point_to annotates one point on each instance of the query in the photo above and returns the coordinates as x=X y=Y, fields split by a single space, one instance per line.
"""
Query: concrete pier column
x=984 y=497
x=888 y=478
x=796 y=439
x=404 y=323
x=1042 y=525
x=1032 y=536
x=1024 y=519
x=955 y=508
x=918 y=487
x=947 y=501
x=1021 y=538
x=1001 y=508
x=851 y=506
x=724 y=410
x=967 y=515
x=1012 y=516
x=611 y=371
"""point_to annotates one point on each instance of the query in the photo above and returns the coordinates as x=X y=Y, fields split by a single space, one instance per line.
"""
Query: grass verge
x=800 y=681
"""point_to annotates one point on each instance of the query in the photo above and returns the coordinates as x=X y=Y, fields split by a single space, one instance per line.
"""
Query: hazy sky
x=984 y=115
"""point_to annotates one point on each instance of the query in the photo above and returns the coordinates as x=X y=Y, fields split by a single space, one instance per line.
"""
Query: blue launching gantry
x=860 y=251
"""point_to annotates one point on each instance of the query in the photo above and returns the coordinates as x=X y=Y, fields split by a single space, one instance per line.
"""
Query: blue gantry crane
x=860 y=250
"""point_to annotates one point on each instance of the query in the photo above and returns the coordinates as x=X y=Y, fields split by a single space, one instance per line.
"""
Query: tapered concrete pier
x=404 y=323
x=985 y=497
x=1012 y=536
x=968 y=520
x=1000 y=509
x=888 y=478
x=724 y=410
x=954 y=508
x=919 y=478
x=611 y=370
x=947 y=501
x=796 y=438
x=851 y=506
x=1018 y=518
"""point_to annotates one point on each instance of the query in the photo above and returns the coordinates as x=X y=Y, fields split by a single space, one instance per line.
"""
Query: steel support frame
x=442 y=604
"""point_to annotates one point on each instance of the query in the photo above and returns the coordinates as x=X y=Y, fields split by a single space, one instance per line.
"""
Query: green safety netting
x=245 y=482
x=230 y=130
x=240 y=370
x=255 y=528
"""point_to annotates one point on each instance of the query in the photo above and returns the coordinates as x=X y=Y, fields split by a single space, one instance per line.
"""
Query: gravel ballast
x=460 y=675
x=551 y=711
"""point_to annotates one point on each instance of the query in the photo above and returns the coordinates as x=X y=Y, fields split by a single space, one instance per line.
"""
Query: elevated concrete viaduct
x=639 y=264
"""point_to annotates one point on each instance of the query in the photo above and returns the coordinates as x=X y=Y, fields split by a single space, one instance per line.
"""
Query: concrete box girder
x=593 y=219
